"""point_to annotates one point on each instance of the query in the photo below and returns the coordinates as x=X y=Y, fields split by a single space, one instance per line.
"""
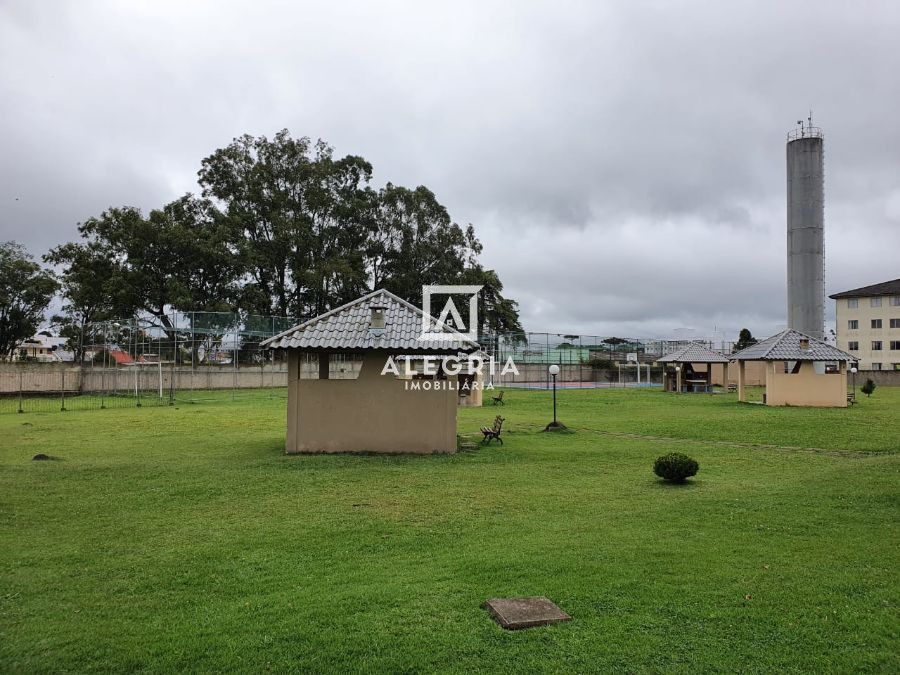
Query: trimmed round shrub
x=675 y=467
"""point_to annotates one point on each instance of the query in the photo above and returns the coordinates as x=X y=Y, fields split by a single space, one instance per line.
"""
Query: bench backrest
x=498 y=423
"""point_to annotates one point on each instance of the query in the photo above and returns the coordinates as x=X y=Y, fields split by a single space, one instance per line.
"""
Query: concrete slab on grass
x=516 y=613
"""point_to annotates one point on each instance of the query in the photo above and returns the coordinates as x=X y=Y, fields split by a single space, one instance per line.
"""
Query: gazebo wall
x=754 y=373
x=466 y=398
x=475 y=395
x=805 y=388
x=374 y=413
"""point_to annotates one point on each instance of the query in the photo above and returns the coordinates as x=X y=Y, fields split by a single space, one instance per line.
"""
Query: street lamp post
x=853 y=371
x=555 y=425
x=554 y=371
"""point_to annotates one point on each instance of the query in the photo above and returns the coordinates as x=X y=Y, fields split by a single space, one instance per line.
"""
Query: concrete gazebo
x=343 y=395
x=683 y=377
x=797 y=370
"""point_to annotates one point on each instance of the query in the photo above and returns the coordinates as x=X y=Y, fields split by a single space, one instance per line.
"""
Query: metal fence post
x=546 y=360
x=62 y=391
x=580 y=363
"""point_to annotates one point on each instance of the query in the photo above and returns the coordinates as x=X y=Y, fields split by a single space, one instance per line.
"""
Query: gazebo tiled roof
x=348 y=327
x=693 y=353
x=785 y=346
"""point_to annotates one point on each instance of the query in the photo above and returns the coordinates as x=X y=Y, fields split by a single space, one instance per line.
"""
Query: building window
x=895 y=345
x=874 y=302
x=896 y=366
x=876 y=345
x=853 y=346
x=852 y=303
x=895 y=301
x=853 y=324
x=876 y=323
x=344 y=366
x=876 y=366
x=309 y=366
x=895 y=323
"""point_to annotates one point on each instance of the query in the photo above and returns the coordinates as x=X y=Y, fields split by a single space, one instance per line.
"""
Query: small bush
x=675 y=467
x=868 y=387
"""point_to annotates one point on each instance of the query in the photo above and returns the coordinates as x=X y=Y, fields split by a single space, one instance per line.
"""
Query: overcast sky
x=622 y=162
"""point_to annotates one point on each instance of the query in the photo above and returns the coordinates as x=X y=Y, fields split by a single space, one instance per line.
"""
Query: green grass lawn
x=181 y=538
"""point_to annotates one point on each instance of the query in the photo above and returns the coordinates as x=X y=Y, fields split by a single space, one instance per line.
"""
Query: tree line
x=281 y=227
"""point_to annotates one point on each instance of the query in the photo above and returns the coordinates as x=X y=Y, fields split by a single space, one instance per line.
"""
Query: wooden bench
x=498 y=399
x=851 y=397
x=732 y=387
x=490 y=433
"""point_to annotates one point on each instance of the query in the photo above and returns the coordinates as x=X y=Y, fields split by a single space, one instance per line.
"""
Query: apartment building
x=868 y=324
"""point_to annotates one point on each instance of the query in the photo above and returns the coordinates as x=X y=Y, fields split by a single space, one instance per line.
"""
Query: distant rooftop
x=45 y=341
x=884 y=288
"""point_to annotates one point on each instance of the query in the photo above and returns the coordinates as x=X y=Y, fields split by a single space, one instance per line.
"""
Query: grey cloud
x=622 y=162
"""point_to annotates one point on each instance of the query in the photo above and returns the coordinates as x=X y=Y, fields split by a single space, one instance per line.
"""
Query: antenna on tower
x=804 y=129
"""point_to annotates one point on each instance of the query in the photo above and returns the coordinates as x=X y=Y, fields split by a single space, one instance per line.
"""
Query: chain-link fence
x=58 y=387
x=150 y=361
x=585 y=361
x=194 y=357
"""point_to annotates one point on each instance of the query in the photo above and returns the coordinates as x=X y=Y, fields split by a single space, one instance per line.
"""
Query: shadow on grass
x=673 y=485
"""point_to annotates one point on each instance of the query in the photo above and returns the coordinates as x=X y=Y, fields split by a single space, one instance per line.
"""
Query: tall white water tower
x=806 y=229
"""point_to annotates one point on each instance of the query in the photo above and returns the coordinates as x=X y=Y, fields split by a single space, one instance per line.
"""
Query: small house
x=346 y=387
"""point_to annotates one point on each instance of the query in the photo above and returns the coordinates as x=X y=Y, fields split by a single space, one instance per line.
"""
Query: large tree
x=283 y=228
x=25 y=292
x=182 y=255
x=301 y=213
x=745 y=339
x=91 y=285
x=315 y=235
x=413 y=242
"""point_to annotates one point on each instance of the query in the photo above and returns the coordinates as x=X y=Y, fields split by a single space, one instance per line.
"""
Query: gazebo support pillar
x=742 y=395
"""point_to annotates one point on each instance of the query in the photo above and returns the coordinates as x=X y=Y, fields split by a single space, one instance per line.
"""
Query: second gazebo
x=680 y=373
